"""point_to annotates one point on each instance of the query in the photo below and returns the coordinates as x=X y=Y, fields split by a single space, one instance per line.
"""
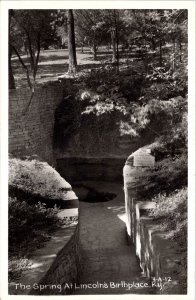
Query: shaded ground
x=54 y=63
x=106 y=257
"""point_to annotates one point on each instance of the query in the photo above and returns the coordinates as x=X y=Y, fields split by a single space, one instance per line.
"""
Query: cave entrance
x=88 y=177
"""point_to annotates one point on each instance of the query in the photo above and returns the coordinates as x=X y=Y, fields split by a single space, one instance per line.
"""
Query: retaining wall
x=32 y=132
x=159 y=256
x=63 y=273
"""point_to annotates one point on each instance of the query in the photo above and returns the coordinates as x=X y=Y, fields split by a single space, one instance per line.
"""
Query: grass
x=54 y=63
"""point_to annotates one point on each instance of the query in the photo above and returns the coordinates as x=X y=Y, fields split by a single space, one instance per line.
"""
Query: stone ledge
x=159 y=256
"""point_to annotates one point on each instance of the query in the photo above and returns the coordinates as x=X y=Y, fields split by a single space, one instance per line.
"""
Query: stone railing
x=159 y=256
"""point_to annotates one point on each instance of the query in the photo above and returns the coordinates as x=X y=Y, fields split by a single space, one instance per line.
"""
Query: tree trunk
x=153 y=45
x=174 y=50
x=117 y=41
x=114 y=53
x=71 y=43
x=180 y=46
x=11 y=76
x=94 y=51
x=160 y=53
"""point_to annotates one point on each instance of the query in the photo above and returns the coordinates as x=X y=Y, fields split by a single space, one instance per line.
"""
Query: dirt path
x=107 y=261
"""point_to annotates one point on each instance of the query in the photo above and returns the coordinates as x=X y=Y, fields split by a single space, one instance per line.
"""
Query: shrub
x=172 y=210
x=29 y=226
x=168 y=175
x=171 y=213
x=35 y=177
x=31 y=222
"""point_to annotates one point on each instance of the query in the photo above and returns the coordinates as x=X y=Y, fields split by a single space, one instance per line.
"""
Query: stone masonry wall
x=63 y=272
x=32 y=133
x=159 y=256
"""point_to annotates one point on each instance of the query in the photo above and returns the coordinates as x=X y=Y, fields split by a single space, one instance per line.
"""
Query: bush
x=172 y=210
x=29 y=226
x=171 y=213
x=31 y=222
x=130 y=104
x=168 y=175
x=36 y=178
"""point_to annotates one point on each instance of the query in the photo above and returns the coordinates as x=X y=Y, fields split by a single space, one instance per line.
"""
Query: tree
x=154 y=29
x=65 y=28
x=71 y=43
x=116 y=27
x=30 y=30
x=177 y=32
x=91 y=28
x=115 y=37
x=11 y=76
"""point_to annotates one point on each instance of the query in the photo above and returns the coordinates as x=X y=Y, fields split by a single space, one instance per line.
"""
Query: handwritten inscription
x=143 y=160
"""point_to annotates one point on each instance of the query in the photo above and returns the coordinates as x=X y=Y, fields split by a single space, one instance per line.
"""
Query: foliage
x=172 y=210
x=158 y=35
x=36 y=177
x=105 y=92
x=29 y=225
x=168 y=175
x=152 y=29
x=171 y=213
x=90 y=26
x=31 y=27
x=132 y=104
x=166 y=185
x=29 y=31
x=149 y=98
x=159 y=74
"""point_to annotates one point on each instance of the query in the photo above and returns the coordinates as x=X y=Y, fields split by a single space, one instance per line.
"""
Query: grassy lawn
x=54 y=63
